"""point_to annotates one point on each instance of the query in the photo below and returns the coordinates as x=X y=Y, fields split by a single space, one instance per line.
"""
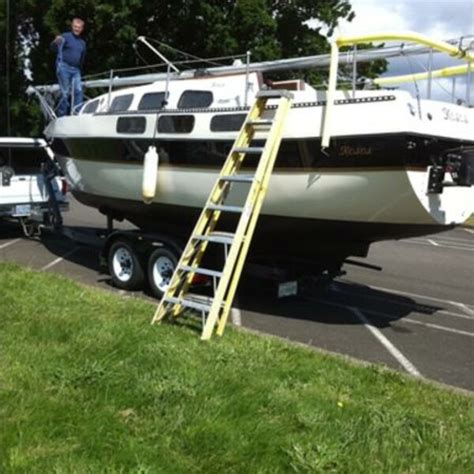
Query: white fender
x=150 y=175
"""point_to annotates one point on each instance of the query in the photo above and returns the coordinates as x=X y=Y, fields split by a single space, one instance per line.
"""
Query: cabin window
x=131 y=124
x=195 y=100
x=152 y=101
x=91 y=107
x=227 y=123
x=121 y=103
x=176 y=124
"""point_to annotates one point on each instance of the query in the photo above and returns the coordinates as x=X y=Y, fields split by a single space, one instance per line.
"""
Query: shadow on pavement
x=9 y=230
x=335 y=305
x=330 y=305
x=86 y=241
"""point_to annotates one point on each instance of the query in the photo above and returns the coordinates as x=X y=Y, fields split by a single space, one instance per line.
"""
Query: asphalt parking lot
x=416 y=316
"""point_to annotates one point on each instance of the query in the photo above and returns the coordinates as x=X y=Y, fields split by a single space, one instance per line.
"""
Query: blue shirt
x=71 y=50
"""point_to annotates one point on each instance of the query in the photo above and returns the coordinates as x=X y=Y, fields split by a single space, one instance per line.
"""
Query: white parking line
x=416 y=307
x=455 y=240
x=415 y=295
x=464 y=245
x=465 y=308
x=441 y=245
x=420 y=323
x=4 y=246
x=435 y=326
x=471 y=231
x=59 y=259
x=236 y=316
x=449 y=313
x=401 y=359
x=391 y=318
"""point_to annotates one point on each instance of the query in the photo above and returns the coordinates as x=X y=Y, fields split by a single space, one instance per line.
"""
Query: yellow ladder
x=215 y=310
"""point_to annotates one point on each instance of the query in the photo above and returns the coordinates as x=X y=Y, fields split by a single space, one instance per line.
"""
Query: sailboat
x=356 y=166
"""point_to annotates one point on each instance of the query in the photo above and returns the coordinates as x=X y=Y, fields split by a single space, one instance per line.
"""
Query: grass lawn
x=88 y=385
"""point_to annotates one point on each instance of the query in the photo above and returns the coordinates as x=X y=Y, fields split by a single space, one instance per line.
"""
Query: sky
x=442 y=19
x=439 y=19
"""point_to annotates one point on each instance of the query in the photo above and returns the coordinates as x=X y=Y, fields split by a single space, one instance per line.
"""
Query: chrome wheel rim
x=122 y=263
x=163 y=269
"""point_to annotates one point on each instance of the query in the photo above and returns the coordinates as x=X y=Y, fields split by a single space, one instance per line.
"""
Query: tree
x=268 y=28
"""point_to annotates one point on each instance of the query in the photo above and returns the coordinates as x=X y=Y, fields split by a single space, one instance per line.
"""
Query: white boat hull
x=372 y=196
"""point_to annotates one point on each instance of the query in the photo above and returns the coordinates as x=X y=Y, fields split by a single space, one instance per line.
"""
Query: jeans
x=69 y=79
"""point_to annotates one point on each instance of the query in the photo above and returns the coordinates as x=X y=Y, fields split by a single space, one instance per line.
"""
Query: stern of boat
x=446 y=189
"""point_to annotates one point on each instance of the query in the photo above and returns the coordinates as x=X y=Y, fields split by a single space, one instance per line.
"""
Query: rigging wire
x=161 y=43
x=135 y=48
x=435 y=80
x=417 y=89
x=158 y=65
x=189 y=55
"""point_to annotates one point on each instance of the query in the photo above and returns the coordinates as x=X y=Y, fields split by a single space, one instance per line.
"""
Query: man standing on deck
x=70 y=51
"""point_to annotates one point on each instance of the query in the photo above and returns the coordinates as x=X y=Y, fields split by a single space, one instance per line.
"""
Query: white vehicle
x=31 y=193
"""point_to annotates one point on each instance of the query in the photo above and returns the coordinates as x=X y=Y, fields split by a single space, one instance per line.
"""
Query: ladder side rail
x=229 y=265
x=249 y=212
x=280 y=122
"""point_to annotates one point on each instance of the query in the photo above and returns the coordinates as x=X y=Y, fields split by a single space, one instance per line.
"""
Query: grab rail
x=444 y=72
x=451 y=50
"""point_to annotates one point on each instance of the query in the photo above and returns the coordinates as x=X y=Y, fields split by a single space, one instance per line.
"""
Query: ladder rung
x=222 y=207
x=216 y=237
x=187 y=303
x=238 y=178
x=201 y=271
x=266 y=122
x=251 y=150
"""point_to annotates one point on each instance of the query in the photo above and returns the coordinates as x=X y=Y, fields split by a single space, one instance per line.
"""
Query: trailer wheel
x=125 y=267
x=161 y=266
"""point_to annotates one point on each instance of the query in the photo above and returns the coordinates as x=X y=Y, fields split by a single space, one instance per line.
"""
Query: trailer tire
x=125 y=266
x=161 y=266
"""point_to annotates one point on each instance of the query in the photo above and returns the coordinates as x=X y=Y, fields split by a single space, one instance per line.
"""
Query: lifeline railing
x=422 y=45
x=320 y=61
x=433 y=45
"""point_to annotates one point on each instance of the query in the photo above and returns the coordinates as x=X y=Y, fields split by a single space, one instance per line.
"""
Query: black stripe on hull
x=382 y=151
x=311 y=239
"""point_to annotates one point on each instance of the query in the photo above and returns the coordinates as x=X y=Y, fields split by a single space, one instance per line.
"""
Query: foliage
x=270 y=29
x=87 y=385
